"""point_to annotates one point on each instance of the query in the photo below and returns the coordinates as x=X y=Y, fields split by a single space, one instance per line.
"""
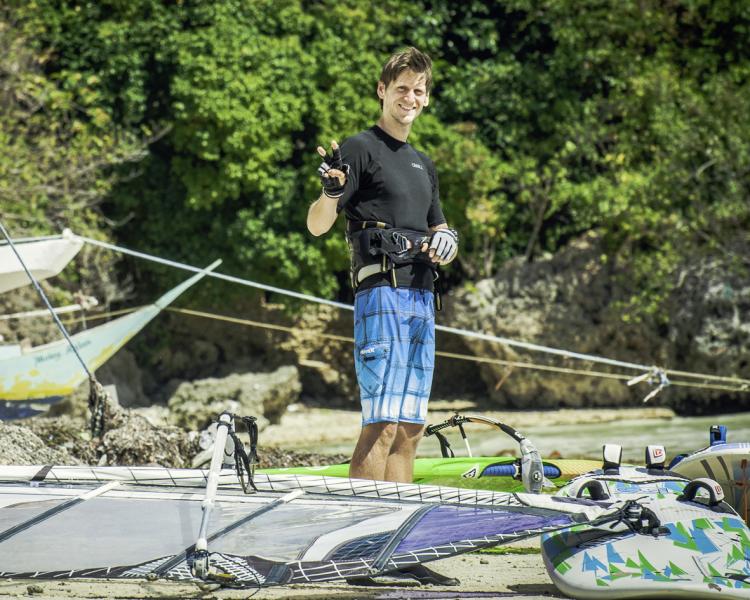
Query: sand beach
x=490 y=576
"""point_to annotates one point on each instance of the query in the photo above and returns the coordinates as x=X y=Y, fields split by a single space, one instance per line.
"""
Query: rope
x=97 y=396
x=342 y=338
x=645 y=370
x=479 y=359
x=636 y=517
x=230 y=278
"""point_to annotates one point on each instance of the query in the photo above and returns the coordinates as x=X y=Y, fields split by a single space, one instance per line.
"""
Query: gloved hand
x=332 y=172
x=444 y=242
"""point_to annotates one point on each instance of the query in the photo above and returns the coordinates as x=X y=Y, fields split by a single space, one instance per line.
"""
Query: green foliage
x=58 y=143
x=238 y=95
x=60 y=148
x=549 y=119
x=628 y=118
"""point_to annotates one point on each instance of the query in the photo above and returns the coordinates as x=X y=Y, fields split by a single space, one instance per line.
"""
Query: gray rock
x=20 y=446
x=326 y=363
x=563 y=301
x=135 y=441
x=263 y=395
x=709 y=329
x=129 y=439
x=569 y=301
x=123 y=372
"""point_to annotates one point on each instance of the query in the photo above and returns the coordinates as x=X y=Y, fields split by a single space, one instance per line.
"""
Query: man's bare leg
x=400 y=465
x=371 y=453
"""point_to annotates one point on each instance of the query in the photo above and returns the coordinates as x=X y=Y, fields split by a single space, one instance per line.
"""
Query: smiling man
x=397 y=236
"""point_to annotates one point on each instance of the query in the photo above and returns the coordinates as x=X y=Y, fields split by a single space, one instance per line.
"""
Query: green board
x=465 y=472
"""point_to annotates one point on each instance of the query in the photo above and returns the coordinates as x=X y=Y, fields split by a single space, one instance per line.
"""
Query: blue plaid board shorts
x=394 y=353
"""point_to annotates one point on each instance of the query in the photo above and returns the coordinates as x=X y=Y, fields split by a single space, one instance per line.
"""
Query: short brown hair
x=412 y=59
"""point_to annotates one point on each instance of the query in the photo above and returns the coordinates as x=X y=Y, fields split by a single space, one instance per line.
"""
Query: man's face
x=405 y=97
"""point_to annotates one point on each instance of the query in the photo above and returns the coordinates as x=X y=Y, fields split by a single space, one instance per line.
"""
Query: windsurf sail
x=190 y=524
x=338 y=528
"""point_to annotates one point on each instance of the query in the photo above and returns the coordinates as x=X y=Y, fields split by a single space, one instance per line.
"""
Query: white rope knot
x=655 y=376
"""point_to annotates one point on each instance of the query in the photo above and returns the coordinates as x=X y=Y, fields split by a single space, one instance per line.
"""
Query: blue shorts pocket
x=372 y=367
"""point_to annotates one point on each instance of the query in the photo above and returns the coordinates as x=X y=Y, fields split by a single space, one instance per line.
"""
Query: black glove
x=332 y=187
x=445 y=243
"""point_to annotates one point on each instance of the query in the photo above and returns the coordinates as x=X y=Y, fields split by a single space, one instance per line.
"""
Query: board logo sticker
x=472 y=473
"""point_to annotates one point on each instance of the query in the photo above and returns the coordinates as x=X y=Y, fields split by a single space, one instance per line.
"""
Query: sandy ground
x=519 y=576
x=303 y=427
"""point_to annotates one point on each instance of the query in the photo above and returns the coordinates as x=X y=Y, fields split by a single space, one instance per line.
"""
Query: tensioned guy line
x=743 y=384
x=453 y=355
x=239 y=280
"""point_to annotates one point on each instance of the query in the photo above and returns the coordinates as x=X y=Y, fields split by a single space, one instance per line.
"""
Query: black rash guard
x=390 y=181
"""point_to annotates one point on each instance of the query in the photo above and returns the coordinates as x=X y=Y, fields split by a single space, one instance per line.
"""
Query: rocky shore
x=130 y=439
x=149 y=436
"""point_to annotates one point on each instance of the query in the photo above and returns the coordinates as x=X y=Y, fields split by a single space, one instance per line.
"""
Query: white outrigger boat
x=32 y=378
x=44 y=374
x=45 y=257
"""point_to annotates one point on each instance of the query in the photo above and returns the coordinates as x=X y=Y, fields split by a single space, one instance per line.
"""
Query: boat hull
x=729 y=465
x=44 y=258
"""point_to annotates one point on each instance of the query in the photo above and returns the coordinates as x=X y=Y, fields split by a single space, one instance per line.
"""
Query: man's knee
x=381 y=433
x=411 y=431
x=407 y=437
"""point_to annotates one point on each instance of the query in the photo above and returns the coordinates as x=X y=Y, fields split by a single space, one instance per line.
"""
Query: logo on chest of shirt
x=417 y=166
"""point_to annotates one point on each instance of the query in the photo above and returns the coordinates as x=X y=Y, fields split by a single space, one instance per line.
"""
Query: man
x=398 y=236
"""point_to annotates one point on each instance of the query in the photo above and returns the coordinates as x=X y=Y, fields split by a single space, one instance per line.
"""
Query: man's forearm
x=322 y=215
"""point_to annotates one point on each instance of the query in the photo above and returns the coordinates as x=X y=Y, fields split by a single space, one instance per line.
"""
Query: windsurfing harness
x=376 y=247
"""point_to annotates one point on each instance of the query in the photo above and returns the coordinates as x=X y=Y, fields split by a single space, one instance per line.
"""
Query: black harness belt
x=376 y=247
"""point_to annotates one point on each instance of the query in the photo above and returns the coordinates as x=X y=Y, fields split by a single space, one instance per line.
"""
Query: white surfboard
x=726 y=463
x=686 y=549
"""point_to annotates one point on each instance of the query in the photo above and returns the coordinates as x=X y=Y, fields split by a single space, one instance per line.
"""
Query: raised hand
x=332 y=171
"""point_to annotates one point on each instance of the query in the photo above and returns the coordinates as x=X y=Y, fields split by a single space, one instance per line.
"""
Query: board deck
x=729 y=465
x=703 y=552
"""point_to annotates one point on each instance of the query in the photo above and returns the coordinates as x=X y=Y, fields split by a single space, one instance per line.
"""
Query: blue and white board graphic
x=699 y=551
